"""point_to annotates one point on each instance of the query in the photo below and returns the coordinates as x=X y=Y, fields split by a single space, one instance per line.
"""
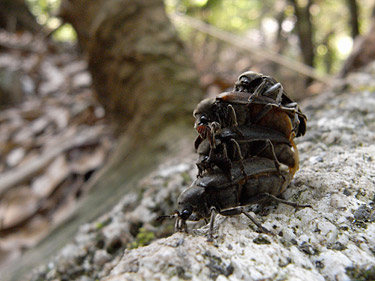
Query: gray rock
x=333 y=240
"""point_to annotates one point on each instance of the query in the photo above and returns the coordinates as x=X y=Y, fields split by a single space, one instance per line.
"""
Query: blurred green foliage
x=45 y=12
x=260 y=19
x=143 y=238
x=267 y=23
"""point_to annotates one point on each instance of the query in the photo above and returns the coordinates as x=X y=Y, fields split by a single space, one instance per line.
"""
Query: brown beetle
x=256 y=88
x=256 y=99
x=229 y=144
x=211 y=114
x=214 y=193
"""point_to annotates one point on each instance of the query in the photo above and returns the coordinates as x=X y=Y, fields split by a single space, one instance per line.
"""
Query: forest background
x=90 y=90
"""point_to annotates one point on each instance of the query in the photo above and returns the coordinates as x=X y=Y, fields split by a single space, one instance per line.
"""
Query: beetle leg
x=277 y=163
x=214 y=127
x=225 y=151
x=261 y=228
x=180 y=225
x=225 y=154
x=291 y=108
x=293 y=204
x=233 y=119
x=240 y=210
x=200 y=169
x=238 y=148
x=277 y=87
x=232 y=115
x=296 y=123
x=267 y=108
x=292 y=105
x=258 y=91
x=212 y=221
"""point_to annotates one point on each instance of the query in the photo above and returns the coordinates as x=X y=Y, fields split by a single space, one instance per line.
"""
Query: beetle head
x=192 y=205
x=248 y=82
x=192 y=200
x=203 y=114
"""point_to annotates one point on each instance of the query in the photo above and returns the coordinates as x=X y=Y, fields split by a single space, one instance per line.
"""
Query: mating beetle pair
x=246 y=150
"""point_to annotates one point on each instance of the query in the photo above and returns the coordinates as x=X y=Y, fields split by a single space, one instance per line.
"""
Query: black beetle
x=246 y=151
x=238 y=143
x=214 y=193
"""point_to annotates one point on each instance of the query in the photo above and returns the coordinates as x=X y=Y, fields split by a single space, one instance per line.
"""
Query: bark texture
x=143 y=77
x=305 y=31
x=15 y=16
x=140 y=69
x=363 y=51
x=353 y=22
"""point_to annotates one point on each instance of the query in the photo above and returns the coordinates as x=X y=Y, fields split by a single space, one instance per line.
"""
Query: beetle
x=243 y=142
x=264 y=88
x=213 y=193
x=248 y=134
x=252 y=88
x=233 y=114
x=255 y=99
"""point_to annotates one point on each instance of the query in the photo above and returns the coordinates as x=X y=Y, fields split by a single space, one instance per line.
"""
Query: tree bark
x=144 y=79
x=353 y=21
x=305 y=31
x=363 y=50
x=15 y=16
x=141 y=72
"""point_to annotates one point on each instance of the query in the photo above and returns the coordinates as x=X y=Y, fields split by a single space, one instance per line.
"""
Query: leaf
x=27 y=170
x=15 y=156
x=82 y=80
x=89 y=161
x=60 y=116
x=39 y=125
x=56 y=172
x=18 y=205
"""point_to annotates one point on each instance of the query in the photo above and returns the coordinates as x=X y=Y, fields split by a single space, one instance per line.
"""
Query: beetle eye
x=244 y=80
x=203 y=119
x=185 y=214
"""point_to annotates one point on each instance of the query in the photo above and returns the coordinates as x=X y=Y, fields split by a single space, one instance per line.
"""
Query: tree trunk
x=144 y=79
x=353 y=21
x=15 y=16
x=305 y=31
x=363 y=50
x=329 y=56
x=141 y=72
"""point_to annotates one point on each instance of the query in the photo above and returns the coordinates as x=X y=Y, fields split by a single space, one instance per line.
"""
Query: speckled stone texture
x=333 y=240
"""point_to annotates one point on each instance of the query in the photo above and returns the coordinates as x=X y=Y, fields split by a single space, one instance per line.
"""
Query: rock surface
x=333 y=240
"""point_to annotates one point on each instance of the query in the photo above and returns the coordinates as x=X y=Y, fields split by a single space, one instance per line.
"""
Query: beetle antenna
x=161 y=218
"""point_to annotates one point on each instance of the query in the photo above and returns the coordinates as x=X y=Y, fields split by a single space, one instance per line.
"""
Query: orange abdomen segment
x=275 y=119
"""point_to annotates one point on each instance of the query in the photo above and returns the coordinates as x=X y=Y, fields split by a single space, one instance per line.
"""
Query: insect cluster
x=246 y=150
